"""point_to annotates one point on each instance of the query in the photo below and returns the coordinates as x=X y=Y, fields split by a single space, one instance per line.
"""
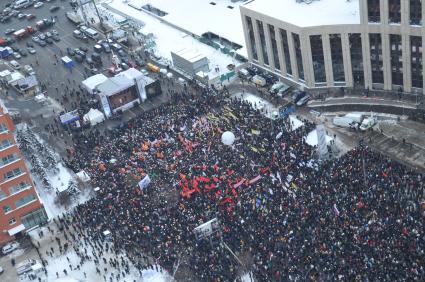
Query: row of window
x=6 y=143
x=3 y=128
x=394 y=11
x=31 y=219
x=355 y=41
x=20 y=202
x=23 y=185
x=9 y=159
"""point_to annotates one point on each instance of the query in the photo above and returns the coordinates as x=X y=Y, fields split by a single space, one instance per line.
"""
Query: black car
x=49 y=40
x=29 y=44
x=54 y=8
x=121 y=53
x=56 y=38
x=298 y=94
x=70 y=52
x=42 y=43
x=23 y=52
x=139 y=62
x=84 y=49
x=78 y=58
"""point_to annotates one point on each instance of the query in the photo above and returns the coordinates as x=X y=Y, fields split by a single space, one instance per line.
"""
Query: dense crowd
x=283 y=214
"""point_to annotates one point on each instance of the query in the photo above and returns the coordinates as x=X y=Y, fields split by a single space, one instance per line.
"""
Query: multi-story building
x=20 y=205
x=374 y=44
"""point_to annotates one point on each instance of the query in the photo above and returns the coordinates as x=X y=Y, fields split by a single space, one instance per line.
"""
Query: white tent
x=93 y=81
x=83 y=176
x=94 y=116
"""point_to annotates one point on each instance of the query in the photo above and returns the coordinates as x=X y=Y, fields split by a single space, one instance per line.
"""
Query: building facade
x=373 y=44
x=20 y=205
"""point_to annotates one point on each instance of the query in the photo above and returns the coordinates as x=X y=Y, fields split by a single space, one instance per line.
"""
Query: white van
x=276 y=87
x=22 y=4
x=345 y=122
x=15 y=65
x=25 y=266
x=91 y=33
x=368 y=123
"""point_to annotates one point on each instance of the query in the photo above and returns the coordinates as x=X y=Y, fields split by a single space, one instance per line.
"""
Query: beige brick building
x=375 y=44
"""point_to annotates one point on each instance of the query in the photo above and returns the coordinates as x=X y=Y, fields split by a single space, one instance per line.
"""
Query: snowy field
x=59 y=262
x=168 y=38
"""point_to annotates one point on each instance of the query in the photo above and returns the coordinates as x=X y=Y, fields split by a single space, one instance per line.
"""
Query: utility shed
x=190 y=61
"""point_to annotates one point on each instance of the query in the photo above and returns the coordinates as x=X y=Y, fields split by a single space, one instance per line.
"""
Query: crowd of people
x=283 y=215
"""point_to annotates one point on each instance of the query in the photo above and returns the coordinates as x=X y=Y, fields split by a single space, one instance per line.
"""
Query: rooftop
x=189 y=55
x=317 y=13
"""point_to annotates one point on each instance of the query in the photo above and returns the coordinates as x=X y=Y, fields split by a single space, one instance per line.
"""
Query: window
x=34 y=218
x=394 y=11
x=415 y=12
x=251 y=38
x=10 y=174
x=337 y=58
x=298 y=55
x=19 y=187
x=274 y=47
x=416 y=61
x=3 y=128
x=356 y=58
x=284 y=37
x=6 y=208
x=25 y=200
x=263 y=42
x=12 y=221
x=8 y=159
x=2 y=195
x=396 y=59
x=376 y=60
x=5 y=143
x=373 y=11
x=318 y=58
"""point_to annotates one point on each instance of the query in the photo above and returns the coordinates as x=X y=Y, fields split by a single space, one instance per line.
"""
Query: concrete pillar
x=407 y=69
x=363 y=12
x=385 y=41
x=307 y=60
x=294 y=66
x=346 y=55
x=327 y=56
x=366 y=60
x=280 y=51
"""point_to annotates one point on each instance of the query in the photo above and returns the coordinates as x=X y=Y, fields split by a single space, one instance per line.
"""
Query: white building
x=375 y=44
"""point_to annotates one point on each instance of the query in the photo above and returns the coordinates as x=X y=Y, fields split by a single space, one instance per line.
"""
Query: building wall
x=366 y=29
x=11 y=215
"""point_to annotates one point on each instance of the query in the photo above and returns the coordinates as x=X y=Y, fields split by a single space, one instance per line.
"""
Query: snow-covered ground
x=168 y=39
x=295 y=122
x=59 y=262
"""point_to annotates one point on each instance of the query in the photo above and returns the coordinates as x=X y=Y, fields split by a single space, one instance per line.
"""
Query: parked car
x=54 y=32
x=9 y=31
x=42 y=36
x=49 y=40
x=303 y=100
x=21 y=16
x=31 y=50
x=16 y=55
x=70 y=52
x=42 y=43
x=56 y=38
x=10 y=247
x=30 y=17
x=1 y=270
x=23 y=53
x=48 y=34
x=298 y=94
x=38 y=5
x=54 y=8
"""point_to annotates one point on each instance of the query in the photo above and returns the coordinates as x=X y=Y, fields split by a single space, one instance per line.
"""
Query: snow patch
x=295 y=122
